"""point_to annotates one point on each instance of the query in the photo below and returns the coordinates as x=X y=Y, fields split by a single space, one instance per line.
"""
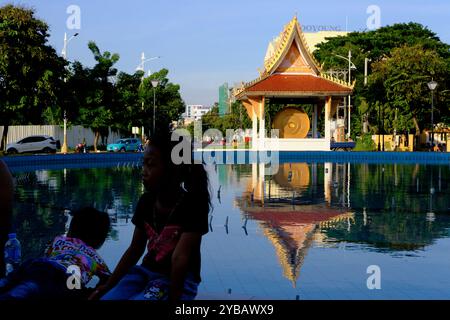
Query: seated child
x=50 y=277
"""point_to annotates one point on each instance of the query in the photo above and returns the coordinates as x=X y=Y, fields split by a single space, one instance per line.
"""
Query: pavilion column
x=251 y=106
x=254 y=178
x=328 y=102
x=262 y=124
x=327 y=181
x=314 y=122
x=261 y=182
x=254 y=129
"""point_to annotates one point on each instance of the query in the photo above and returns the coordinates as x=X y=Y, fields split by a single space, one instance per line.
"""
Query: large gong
x=292 y=175
x=292 y=123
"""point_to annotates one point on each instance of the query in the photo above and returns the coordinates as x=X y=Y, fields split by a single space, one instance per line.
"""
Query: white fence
x=75 y=134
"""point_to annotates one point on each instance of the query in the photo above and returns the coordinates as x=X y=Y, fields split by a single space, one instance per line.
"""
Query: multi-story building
x=195 y=111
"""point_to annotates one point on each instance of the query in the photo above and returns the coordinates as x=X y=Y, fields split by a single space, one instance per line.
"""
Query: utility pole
x=350 y=67
x=382 y=127
x=432 y=85
x=349 y=83
x=155 y=84
x=366 y=67
x=141 y=67
x=379 y=126
x=64 y=147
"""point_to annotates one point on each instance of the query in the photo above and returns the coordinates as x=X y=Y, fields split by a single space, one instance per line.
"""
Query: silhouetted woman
x=170 y=220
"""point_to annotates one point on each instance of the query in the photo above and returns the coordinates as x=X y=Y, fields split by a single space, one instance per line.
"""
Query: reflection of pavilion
x=289 y=226
x=293 y=179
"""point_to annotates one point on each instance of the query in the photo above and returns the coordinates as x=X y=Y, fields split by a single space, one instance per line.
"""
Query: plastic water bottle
x=12 y=253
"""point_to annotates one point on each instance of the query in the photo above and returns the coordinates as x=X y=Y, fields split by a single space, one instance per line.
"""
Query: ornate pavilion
x=292 y=77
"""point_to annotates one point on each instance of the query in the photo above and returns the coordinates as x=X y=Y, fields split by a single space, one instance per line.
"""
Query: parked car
x=122 y=145
x=42 y=143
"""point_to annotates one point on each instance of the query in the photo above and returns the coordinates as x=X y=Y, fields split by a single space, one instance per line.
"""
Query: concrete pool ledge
x=249 y=156
x=58 y=161
x=75 y=160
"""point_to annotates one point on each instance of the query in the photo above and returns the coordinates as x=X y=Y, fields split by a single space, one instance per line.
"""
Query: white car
x=42 y=143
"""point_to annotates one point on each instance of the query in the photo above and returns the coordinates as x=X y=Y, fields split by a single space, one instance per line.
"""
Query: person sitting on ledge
x=69 y=263
x=170 y=220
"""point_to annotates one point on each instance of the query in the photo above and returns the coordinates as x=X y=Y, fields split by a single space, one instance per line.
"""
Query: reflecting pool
x=311 y=231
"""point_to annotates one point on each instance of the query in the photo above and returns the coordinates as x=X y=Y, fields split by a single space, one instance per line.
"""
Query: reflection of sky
x=335 y=261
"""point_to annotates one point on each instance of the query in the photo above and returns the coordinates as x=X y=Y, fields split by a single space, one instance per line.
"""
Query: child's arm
x=103 y=279
x=129 y=259
x=188 y=242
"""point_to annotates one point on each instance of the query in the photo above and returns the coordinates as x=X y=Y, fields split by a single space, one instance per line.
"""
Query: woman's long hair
x=192 y=177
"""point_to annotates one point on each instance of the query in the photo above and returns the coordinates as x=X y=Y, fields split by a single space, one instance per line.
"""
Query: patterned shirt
x=65 y=252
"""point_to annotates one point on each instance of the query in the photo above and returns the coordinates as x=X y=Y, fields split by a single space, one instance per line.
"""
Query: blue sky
x=205 y=43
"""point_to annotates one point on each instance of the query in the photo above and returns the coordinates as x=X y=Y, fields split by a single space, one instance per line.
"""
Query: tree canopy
x=37 y=88
x=31 y=73
x=398 y=76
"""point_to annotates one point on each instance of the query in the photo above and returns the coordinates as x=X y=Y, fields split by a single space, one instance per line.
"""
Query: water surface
x=308 y=232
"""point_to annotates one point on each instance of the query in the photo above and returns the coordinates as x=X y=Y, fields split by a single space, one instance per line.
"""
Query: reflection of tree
x=242 y=170
x=403 y=188
x=42 y=197
x=36 y=226
x=396 y=198
x=391 y=231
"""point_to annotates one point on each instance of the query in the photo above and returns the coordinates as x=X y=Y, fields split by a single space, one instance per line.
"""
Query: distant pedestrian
x=146 y=142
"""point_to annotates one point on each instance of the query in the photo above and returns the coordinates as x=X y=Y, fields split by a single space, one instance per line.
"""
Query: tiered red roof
x=285 y=83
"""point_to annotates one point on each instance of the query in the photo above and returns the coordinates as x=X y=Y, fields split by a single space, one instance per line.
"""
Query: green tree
x=77 y=90
x=168 y=102
x=127 y=103
x=96 y=110
x=31 y=73
x=404 y=76
x=377 y=45
x=237 y=118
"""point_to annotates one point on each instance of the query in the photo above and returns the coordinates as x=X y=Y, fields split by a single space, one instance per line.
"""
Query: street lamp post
x=155 y=83
x=379 y=126
x=382 y=124
x=349 y=82
x=432 y=85
x=66 y=42
x=351 y=66
x=64 y=54
x=141 y=67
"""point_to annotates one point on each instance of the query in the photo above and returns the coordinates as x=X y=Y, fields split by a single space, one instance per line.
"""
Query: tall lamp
x=155 y=83
x=351 y=66
x=141 y=67
x=432 y=85
x=64 y=54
